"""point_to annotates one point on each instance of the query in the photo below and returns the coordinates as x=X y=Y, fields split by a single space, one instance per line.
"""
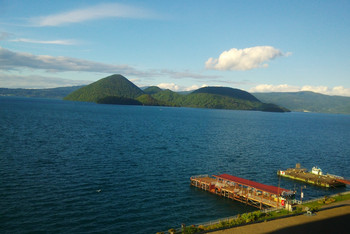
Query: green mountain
x=148 y=100
x=228 y=92
x=111 y=86
x=56 y=93
x=216 y=98
x=169 y=97
x=308 y=102
x=116 y=89
x=118 y=101
x=228 y=98
x=152 y=90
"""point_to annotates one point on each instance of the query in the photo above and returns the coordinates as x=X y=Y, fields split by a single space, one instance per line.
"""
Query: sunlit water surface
x=82 y=167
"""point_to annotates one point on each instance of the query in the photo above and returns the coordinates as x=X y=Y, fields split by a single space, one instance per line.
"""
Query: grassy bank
x=318 y=204
x=260 y=216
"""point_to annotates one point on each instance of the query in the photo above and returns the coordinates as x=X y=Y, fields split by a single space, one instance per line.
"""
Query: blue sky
x=257 y=46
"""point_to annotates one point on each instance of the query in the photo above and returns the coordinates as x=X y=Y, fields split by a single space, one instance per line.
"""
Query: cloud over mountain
x=337 y=90
x=244 y=59
x=20 y=61
x=170 y=86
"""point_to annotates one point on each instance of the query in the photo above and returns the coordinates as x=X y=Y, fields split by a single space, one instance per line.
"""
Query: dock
x=315 y=177
x=246 y=191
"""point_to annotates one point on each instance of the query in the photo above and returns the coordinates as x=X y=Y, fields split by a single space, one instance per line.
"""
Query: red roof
x=262 y=187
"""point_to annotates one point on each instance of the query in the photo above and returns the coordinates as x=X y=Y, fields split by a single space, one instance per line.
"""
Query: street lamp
x=301 y=193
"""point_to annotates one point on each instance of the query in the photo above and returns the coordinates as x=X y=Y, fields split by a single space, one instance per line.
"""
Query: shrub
x=298 y=210
x=239 y=221
x=222 y=223
x=314 y=209
x=192 y=229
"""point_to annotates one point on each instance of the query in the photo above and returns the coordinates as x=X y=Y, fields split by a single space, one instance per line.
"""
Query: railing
x=251 y=196
x=217 y=221
x=199 y=176
x=317 y=199
x=335 y=176
x=227 y=219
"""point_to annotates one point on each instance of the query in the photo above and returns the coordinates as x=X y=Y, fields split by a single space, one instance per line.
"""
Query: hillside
x=148 y=100
x=111 y=86
x=169 y=97
x=217 y=98
x=227 y=92
x=116 y=89
x=308 y=102
x=152 y=90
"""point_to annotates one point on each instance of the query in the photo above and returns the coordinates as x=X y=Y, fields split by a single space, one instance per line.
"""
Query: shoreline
x=330 y=218
x=325 y=212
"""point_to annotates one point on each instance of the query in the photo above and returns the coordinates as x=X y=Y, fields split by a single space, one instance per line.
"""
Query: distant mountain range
x=117 y=89
x=57 y=93
x=308 y=102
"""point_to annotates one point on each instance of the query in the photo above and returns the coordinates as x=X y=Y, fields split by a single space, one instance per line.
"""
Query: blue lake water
x=80 y=167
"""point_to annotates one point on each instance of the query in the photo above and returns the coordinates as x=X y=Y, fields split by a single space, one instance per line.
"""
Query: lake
x=81 y=167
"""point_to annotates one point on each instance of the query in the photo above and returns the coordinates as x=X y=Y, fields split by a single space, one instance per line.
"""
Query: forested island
x=117 y=89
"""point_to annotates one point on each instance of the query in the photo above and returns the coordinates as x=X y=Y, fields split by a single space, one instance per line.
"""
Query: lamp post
x=301 y=193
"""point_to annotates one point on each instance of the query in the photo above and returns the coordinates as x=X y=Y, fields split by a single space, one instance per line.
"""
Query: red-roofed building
x=263 y=187
x=243 y=190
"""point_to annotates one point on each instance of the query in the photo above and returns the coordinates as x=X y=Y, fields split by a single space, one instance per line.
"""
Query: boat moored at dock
x=315 y=177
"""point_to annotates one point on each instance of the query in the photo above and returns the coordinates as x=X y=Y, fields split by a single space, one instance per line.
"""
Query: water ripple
x=81 y=168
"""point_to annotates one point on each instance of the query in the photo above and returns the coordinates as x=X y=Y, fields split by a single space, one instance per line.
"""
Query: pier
x=315 y=177
x=246 y=191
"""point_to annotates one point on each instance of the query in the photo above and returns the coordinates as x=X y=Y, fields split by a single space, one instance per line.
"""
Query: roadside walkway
x=332 y=218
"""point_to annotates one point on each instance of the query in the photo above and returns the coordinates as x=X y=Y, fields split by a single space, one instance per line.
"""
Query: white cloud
x=175 y=87
x=53 y=42
x=337 y=90
x=274 y=88
x=340 y=90
x=186 y=74
x=244 y=59
x=10 y=60
x=108 y=10
x=316 y=89
x=170 y=86
x=37 y=82
x=194 y=87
